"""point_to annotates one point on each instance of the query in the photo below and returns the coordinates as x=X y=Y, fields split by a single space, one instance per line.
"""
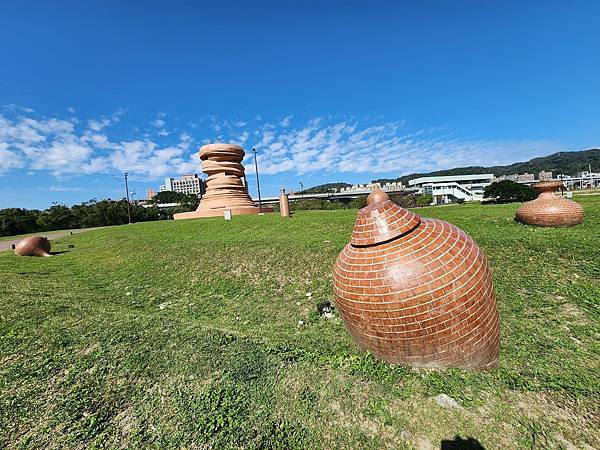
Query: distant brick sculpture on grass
x=284 y=203
x=550 y=210
x=33 y=246
x=224 y=187
x=416 y=291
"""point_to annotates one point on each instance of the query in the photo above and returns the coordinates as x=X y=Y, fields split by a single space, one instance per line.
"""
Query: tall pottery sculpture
x=225 y=189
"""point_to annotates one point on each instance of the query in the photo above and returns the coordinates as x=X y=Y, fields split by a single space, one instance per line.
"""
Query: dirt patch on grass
x=573 y=314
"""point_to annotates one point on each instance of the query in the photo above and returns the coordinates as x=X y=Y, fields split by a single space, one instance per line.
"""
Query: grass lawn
x=187 y=334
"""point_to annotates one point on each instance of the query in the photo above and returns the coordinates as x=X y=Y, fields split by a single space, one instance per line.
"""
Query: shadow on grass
x=459 y=443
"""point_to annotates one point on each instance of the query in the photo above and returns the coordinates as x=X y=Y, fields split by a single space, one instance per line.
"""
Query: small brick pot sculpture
x=416 y=291
x=549 y=210
x=33 y=246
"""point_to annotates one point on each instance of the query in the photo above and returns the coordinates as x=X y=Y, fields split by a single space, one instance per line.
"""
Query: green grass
x=187 y=334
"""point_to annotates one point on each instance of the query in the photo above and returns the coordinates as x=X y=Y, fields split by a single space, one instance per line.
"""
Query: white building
x=446 y=189
x=524 y=177
x=583 y=180
x=188 y=184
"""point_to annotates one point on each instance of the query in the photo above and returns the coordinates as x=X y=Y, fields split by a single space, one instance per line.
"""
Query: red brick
x=426 y=296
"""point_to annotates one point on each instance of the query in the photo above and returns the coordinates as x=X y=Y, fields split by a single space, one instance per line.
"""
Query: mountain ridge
x=567 y=163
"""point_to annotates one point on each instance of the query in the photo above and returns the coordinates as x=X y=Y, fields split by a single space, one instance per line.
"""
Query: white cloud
x=13 y=107
x=351 y=146
x=285 y=122
x=97 y=125
x=63 y=189
x=72 y=147
x=158 y=123
x=64 y=148
x=8 y=159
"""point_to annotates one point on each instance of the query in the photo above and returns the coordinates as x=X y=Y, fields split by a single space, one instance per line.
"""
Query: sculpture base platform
x=218 y=212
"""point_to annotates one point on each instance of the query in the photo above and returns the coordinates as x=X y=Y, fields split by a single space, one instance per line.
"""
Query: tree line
x=114 y=212
x=92 y=213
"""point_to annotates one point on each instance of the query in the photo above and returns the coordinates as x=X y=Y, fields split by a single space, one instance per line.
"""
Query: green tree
x=57 y=217
x=17 y=221
x=508 y=191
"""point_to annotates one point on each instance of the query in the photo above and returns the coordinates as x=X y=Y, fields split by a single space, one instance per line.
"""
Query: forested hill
x=325 y=188
x=568 y=163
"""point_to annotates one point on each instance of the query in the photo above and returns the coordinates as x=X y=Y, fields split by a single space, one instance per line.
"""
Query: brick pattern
x=549 y=210
x=424 y=298
x=382 y=221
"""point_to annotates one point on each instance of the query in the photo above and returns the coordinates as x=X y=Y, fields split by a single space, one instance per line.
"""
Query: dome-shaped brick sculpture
x=416 y=291
x=224 y=187
x=550 y=210
x=33 y=246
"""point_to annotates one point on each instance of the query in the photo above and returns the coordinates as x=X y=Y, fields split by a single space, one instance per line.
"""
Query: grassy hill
x=568 y=163
x=188 y=334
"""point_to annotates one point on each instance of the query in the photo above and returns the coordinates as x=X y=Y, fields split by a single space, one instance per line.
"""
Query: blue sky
x=326 y=91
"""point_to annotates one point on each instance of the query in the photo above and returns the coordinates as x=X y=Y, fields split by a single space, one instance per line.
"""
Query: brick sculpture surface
x=284 y=203
x=33 y=246
x=416 y=291
x=224 y=187
x=550 y=210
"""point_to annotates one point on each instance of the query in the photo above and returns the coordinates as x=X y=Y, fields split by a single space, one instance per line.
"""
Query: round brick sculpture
x=224 y=187
x=416 y=291
x=550 y=210
x=33 y=246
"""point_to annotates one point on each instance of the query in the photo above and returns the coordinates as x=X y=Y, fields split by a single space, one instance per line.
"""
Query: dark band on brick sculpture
x=416 y=291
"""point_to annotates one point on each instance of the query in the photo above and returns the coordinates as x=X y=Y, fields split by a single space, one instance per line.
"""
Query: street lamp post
x=127 y=192
x=257 y=180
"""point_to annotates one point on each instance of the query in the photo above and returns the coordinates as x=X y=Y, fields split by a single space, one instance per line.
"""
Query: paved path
x=7 y=244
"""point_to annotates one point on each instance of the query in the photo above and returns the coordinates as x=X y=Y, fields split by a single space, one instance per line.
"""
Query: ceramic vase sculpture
x=33 y=246
x=284 y=203
x=225 y=190
x=550 y=210
x=416 y=291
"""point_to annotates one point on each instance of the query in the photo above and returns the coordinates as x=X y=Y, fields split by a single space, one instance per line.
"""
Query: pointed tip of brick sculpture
x=33 y=246
x=416 y=291
x=377 y=195
x=550 y=210
x=225 y=190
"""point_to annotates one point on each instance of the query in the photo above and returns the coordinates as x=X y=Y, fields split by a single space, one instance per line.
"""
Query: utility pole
x=257 y=180
x=301 y=189
x=127 y=191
